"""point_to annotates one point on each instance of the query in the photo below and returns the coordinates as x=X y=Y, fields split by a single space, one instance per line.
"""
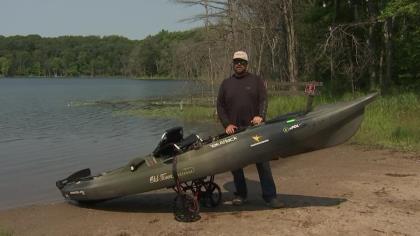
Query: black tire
x=212 y=196
x=186 y=208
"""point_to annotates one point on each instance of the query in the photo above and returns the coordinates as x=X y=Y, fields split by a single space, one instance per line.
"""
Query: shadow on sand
x=161 y=202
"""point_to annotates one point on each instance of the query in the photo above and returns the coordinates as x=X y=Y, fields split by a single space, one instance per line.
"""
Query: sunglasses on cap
x=240 y=62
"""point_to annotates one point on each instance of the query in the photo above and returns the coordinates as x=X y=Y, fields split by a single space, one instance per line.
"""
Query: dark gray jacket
x=240 y=99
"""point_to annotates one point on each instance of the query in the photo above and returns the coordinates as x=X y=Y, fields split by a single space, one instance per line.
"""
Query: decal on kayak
x=290 y=121
x=166 y=176
x=223 y=141
x=81 y=192
x=288 y=129
x=151 y=161
x=258 y=139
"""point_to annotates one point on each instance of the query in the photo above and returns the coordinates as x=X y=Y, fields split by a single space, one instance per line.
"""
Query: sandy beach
x=345 y=190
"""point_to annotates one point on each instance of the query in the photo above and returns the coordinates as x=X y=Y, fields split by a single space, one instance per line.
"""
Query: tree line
x=33 y=55
x=349 y=45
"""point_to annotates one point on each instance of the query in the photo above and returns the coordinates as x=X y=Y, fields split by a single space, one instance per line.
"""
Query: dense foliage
x=33 y=55
x=63 y=56
x=350 y=45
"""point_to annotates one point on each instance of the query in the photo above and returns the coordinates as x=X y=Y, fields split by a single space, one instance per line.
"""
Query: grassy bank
x=187 y=113
x=390 y=122
x=4 y=232
x=197 y=109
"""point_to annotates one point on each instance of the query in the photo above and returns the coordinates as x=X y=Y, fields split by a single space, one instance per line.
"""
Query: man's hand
x=256 y=120
x=230 y=129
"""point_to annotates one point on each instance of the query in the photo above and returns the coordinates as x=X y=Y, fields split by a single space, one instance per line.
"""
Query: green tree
x=56 y=66
x=36 y=69
x=4 y=66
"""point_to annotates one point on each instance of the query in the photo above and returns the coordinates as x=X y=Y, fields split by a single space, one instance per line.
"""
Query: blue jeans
x=266 y=180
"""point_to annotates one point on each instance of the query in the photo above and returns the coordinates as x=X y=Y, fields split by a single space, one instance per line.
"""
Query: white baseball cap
x=240 y=55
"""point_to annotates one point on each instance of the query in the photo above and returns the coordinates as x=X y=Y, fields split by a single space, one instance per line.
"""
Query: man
x=241 y=102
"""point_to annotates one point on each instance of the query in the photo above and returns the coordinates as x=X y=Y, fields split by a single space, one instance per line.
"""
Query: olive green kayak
x=284 y=136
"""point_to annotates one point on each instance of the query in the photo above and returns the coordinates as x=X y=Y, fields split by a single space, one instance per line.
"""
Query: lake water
x=45 y=136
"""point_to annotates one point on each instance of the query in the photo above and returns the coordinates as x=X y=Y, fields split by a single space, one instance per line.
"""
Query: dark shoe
x=238 y=201
x=275 y=203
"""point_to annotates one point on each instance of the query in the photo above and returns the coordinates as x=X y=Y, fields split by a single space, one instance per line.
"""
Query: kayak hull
x=325 y=126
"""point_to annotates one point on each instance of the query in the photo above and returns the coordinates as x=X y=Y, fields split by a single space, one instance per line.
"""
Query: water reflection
x=43 y=139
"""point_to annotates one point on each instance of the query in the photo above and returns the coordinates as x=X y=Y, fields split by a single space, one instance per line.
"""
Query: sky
x=134 y=19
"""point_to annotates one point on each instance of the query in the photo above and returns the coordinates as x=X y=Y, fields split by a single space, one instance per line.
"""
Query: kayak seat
x=172 y=149
x=167 y=150
x=172 y=135
x=165 y=146
x=188 y=142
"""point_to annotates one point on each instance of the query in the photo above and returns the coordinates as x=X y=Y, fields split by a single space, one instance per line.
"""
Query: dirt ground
x=346 y=190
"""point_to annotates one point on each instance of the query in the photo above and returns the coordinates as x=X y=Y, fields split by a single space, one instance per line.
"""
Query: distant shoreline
x=91 y=77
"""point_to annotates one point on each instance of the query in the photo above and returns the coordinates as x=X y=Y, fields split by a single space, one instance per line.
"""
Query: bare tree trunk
x=372 y=49
x=210 y=74
x=372 y=45
x=355 y=12
x=332 y=72
x=248 y=42
x=351 y=70
x=261 y=50
x=232 y=13
x=336 y=10
x=352 y=77
x=381 y=66
x=372 y=67
x=388 y=52
x=291 y=41
x=272 y=43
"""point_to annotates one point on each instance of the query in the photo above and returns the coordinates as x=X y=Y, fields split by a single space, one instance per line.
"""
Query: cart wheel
x=212 y=197
x=186 y=208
